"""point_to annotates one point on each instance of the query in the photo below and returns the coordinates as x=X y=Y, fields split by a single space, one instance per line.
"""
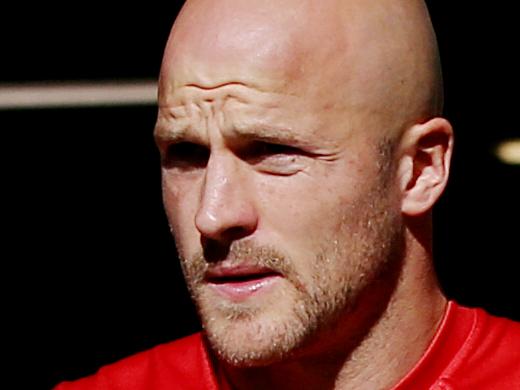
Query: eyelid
x=256 y=151
x=185 y=155
x=274 y=158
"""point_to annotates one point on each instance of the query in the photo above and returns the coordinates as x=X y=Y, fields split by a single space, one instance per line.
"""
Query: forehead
x=370 y=60
x=240 y=112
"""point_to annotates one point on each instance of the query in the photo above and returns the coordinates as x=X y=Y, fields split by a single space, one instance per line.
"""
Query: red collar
x=457 y=325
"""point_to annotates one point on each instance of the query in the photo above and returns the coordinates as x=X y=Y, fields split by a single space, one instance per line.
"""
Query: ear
x=424 y=164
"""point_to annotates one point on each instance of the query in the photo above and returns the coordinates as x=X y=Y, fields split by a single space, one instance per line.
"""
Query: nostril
x=214 y=251
x=236 y=233
x=216 y=248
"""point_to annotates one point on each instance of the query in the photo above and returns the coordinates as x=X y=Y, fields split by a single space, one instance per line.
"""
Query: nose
x=226 y=211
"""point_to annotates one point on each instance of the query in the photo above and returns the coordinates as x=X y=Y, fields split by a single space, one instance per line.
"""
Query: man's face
x=276 y=127
x=282 y=208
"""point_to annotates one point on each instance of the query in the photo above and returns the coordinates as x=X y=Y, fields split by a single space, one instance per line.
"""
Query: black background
x=90 y=273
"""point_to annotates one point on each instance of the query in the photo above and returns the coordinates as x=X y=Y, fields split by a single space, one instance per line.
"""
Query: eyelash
x=186 y=155
x=262 y=150
x=189 y=156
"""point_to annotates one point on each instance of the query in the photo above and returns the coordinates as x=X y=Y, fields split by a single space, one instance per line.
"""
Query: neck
x=372 y=347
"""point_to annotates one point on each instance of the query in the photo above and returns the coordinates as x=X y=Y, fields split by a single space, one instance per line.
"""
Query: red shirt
x=471 y=350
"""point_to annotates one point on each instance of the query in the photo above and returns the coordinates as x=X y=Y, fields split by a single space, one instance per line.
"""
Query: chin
x=253 y=336
x=238 y=348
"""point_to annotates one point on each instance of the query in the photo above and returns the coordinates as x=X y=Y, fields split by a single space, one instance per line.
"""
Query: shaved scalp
x=377 y=58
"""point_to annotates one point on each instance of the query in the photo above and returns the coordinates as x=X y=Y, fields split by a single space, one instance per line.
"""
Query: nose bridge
x=218 y=181
x=221 y=168
x=225 y=205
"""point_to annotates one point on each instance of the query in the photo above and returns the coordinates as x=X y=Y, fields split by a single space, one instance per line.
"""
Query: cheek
x=322 y=223
x=180 y=207
x=302 y=211
x=303 y=219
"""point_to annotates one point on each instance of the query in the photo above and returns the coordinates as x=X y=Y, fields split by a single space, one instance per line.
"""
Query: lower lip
x=239 y=291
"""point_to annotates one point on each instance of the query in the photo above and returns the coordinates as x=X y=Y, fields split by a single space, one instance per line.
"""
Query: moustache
x=212 y=259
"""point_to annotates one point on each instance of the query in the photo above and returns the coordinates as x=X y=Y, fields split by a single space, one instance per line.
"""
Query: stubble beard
x=272 y=329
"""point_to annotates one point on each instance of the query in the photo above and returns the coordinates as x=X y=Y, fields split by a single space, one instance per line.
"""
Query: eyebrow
x=261 y=131
x=269 y=134
x=175 y=127
x=170 y=132
x=252 y=132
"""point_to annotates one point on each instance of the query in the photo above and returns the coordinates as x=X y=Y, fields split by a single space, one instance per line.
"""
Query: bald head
x=374 y=57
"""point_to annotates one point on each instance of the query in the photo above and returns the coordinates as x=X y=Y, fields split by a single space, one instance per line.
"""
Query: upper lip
x=222 y=273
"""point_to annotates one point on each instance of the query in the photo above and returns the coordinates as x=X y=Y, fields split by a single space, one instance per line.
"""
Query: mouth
x=241 y=282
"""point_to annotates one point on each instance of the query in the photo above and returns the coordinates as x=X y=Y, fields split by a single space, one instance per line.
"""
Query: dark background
x=90 y=273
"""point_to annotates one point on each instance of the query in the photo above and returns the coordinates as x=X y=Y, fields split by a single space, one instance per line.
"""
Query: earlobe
x=424 y=164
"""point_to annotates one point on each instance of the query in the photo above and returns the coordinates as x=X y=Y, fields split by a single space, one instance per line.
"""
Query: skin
x=304 y=137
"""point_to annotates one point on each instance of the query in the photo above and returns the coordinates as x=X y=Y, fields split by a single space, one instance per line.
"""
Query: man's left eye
x=274 y=158
x=265 y=149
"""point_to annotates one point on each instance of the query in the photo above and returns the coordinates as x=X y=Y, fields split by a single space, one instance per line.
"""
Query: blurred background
x=90 y=270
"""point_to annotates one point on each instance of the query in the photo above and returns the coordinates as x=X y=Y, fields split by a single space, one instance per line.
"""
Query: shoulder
x=491 y=353
x=182 y=362
x=497 y=341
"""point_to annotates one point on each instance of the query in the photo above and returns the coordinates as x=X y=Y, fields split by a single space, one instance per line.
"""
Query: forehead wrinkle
x=209 y=87
x=195 y=112
x=228 y=102
x=174 y=122
x=192 y=94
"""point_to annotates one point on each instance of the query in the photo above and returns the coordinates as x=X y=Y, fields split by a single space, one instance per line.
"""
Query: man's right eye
x=185 y=156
